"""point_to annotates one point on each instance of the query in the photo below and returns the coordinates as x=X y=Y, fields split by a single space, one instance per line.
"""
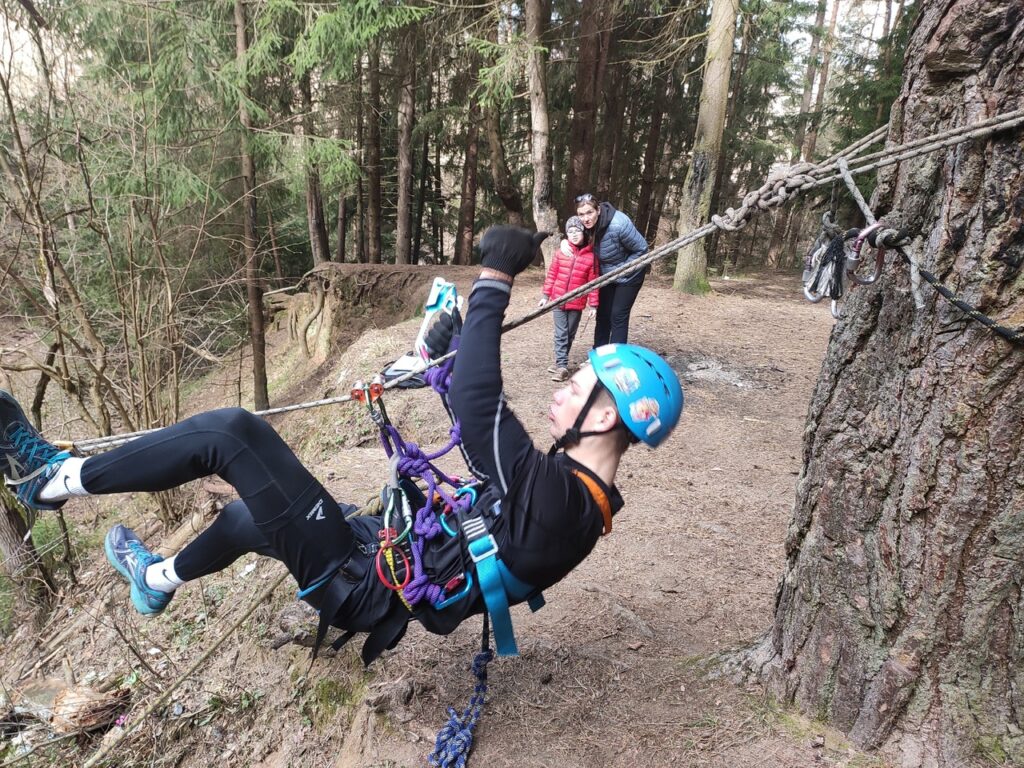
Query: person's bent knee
x=236 y=422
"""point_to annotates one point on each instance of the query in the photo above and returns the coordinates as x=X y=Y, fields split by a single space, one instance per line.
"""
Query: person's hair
x=587 y=199
x=623 y=437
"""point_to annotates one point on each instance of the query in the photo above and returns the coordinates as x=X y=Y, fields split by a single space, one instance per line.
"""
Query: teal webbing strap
x=498 y=584
x=484 y=552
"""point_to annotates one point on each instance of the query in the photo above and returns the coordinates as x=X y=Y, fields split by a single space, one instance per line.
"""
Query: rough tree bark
x=545 y=217
x=900 y=616
x=20 y=561
x=695 y=205
x=254 y=291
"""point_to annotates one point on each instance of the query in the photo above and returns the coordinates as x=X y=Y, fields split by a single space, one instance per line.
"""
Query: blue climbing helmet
x=644 y=387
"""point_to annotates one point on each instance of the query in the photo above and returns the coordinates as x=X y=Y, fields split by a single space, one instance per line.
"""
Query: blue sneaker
x=129 y=556
x=28 y=460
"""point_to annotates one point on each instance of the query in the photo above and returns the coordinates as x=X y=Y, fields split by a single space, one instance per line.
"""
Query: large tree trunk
x=19 y=558
x=695 y=205
x=254 y=291
x=406 y=117
x=374 y=205
x=545 y=217
x=900 y=615
x=316 y=223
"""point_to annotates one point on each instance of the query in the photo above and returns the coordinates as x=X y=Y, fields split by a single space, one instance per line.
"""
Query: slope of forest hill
x=622 y=668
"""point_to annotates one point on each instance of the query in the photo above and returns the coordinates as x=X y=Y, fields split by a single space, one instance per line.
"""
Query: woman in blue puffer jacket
x=616 y=241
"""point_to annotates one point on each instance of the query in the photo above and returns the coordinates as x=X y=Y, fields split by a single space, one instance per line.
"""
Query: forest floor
x=621 y=669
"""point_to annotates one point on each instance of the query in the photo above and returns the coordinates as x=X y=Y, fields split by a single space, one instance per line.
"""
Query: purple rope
x=414 y=463
x=439 y=377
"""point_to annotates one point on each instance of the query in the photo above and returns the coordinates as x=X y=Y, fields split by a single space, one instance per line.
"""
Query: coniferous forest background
x=166 y=163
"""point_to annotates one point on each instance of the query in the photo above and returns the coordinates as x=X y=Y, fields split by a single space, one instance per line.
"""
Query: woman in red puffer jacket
x=567 y=273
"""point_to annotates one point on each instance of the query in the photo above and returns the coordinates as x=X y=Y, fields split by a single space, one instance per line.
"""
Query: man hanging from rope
x=536 y=516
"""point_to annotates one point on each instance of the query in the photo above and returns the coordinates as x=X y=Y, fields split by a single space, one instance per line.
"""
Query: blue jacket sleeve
x=632 y=241
x=495 y=442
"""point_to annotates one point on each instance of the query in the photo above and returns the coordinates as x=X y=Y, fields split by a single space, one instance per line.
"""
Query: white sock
x=162 y=576
x=66 y=483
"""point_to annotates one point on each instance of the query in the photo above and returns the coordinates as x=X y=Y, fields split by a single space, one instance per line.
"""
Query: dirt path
x=619 y=669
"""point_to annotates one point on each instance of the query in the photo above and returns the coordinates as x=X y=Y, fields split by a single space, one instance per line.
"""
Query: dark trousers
x=567 y=321
x=615 y=302
x=284 y=513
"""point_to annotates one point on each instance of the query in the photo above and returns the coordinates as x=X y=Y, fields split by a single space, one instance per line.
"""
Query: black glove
x=443 y=331
x=509 y=249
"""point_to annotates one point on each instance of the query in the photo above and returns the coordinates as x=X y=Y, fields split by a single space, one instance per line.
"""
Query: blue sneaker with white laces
x=131 y=558
x=28 y=460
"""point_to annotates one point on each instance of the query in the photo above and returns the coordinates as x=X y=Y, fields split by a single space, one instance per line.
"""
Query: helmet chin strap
x=573 y=435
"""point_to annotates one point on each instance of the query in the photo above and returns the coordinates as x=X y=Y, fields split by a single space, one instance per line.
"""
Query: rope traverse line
x=778 y=189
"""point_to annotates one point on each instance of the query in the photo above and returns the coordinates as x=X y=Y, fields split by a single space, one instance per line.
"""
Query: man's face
x=588 y=212
x=568 y=401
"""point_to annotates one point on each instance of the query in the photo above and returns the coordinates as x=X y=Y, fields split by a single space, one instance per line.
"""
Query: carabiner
x=444 y=602
x=467 y=489
x=444 y=524
x=852 y=262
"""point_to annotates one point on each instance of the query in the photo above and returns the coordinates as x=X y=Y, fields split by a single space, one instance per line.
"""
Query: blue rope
x=455 y=740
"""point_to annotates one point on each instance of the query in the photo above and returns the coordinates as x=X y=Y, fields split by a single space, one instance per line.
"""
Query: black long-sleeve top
x=548 y=521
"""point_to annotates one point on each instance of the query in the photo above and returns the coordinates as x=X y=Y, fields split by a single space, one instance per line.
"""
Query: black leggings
x=614 y=305
x=284 y=513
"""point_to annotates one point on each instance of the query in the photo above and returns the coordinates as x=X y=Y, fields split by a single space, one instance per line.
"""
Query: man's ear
x=605 y=418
